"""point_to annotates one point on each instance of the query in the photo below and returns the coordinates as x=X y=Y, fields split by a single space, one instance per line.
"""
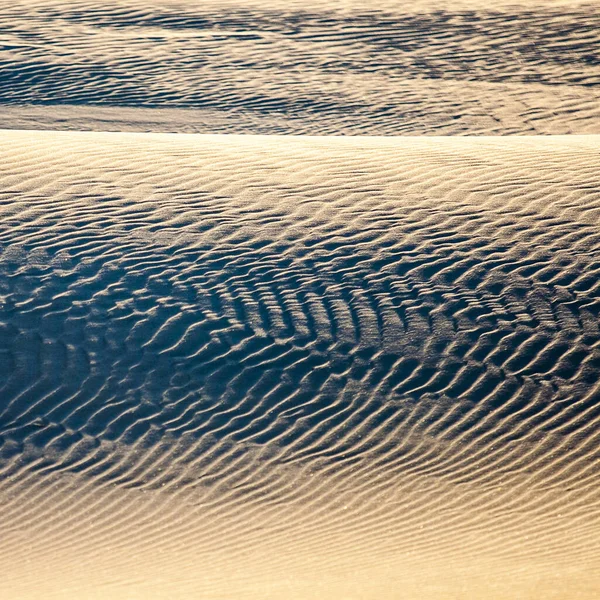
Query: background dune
x=302 y=367
x=304 y=67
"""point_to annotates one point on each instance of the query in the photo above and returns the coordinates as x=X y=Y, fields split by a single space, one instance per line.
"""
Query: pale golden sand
x=261 y=367
x=315 y=67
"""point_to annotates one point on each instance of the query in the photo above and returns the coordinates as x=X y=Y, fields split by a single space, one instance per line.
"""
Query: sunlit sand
x=304 y=305
x=244 y=366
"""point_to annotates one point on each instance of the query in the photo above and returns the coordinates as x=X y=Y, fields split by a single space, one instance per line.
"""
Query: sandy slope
x=261 y=367
x=305 y=67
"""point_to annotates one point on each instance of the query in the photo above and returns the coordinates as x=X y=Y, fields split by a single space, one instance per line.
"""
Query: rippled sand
x=310 y=67
x=358 y=362
x=302 y=367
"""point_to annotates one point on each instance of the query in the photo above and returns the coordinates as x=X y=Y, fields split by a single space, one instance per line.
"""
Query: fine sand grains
x=261 y=367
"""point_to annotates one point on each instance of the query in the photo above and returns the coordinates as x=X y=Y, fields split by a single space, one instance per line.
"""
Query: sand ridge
x=225 y=358
x=304 y=68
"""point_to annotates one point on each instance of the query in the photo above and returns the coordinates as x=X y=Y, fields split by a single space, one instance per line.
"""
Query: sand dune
x=303 y=67
x=262 y=367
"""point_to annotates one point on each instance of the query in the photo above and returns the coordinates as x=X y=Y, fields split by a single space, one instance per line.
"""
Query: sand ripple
x=309 y=356
x=312 y=67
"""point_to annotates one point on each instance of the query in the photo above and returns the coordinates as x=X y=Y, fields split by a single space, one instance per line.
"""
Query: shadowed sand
x=425 y=67
x=261 y=367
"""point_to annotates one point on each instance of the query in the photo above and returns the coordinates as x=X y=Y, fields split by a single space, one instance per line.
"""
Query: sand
x=299 y=300
x=240 y=366
x=304 y=67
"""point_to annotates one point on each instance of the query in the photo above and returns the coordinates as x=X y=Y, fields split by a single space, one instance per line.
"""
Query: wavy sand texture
x=304 y=67
x=261 y=367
